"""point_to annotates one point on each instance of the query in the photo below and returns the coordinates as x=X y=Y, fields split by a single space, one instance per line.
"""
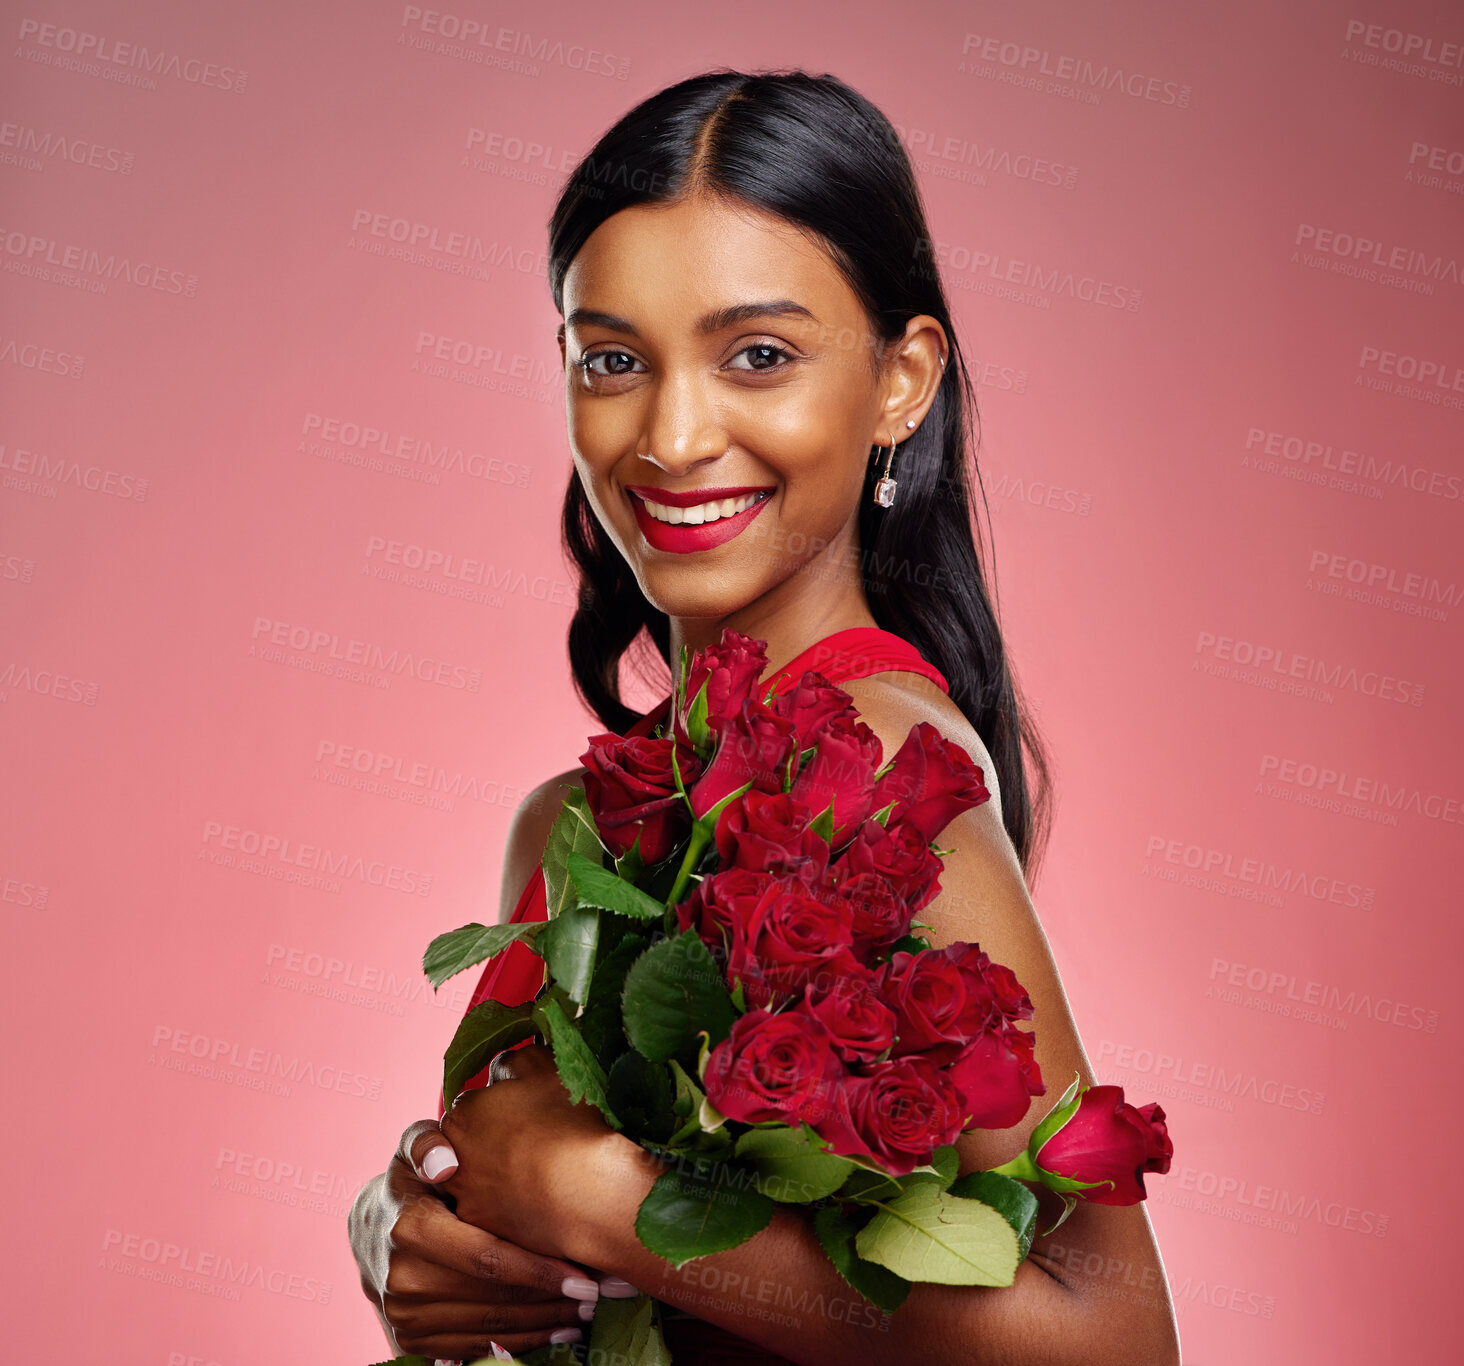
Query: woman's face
x=777 y=402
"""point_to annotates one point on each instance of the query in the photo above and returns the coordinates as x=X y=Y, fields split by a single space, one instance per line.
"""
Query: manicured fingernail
x=617 y=1289
x=565 y=1335
x=440 y=1162
x=499 y=1352
x=587 y=1310
x=579 y=1288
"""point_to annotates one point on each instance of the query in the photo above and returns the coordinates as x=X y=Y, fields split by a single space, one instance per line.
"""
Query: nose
x=682 y=429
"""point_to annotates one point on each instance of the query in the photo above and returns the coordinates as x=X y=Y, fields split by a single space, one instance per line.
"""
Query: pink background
x=1226 y=516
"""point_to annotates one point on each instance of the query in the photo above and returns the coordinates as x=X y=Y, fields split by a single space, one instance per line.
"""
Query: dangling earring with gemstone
x=884 y=490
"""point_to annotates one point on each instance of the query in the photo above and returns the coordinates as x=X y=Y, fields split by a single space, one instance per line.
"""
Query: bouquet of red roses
x=735 y=978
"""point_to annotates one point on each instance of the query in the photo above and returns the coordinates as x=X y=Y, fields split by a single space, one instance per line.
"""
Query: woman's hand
x=445 y=1289
x=535 y=1167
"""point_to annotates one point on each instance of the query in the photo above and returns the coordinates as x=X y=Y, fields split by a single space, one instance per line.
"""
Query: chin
x=689 y=593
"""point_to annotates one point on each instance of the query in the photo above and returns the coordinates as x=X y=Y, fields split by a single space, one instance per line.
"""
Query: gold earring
x=884 y=490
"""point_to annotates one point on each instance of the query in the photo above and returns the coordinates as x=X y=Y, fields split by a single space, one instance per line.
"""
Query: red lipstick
x=682 y=539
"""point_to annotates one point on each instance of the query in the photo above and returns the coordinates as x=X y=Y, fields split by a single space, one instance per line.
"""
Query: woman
x=755 y=336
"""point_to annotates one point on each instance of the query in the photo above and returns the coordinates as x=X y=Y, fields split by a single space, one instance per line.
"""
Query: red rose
x=631 y=790
x=769 y=833
x=720 y=901
x=728 y=670
x=861 y=1024
x=1107 y=1139
x=787 y=941
x=752 y=746
x=879 y=916
x=774 y=1067
x=841 y=771
x=810 y=703
x=897 y=1115
x=996 y=1076
x=933 y=780
x=901 y=855
x=1011 y=996
x=940 y=999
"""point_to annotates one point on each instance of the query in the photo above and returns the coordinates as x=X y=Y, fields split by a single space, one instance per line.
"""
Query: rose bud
x=727 y=673
x=753 y=746
x=841 y=772
x=1106 y=1139
x=630 y=787
x=1096 y=1147
x=933 y=780
x=774 y=1067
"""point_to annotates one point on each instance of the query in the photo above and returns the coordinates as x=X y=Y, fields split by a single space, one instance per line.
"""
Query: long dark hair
x=813 y=151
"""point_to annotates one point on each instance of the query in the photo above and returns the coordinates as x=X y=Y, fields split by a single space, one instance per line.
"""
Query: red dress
x=515 y=975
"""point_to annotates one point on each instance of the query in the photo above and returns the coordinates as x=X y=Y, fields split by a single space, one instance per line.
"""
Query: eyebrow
x=730 y=316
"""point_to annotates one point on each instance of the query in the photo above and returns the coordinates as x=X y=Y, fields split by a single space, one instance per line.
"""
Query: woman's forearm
x=780 y=1290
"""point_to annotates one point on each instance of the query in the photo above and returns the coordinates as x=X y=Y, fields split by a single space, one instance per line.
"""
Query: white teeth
x=701 y=513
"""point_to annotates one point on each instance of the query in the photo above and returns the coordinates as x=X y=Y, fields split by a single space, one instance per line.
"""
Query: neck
x=788 y=618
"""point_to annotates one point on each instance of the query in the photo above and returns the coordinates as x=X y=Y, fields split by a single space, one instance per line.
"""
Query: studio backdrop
x=282 y=452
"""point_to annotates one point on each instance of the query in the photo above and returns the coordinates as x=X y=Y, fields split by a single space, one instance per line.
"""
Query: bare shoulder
x=983 y=898
x=890 y=703
x=528 y=832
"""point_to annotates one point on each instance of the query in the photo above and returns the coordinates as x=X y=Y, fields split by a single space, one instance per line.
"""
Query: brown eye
x=586 y=362
x=764 y=351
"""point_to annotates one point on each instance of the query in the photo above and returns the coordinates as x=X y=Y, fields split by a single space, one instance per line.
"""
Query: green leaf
x=626 y=1332
x=578 y=1069
x=568 y=946
x=867 y=1185
x=600 y=1022
x=836 y=1232
x=822 y=824
x=947 y=1161
x=708 y=821
x=883 y=814
x=630 y=865
x=487 y=1029
x=791 y=1164
x=457 y=950
x=642 y=1093
x=673 y=991
x=573 y=832
x=927 y=1234
x=689 y=1095
x=1010 y=1199
x=697 y=1208
x=1064 y=1109
x=910 y=943
x=596 y=885
x=697 y=730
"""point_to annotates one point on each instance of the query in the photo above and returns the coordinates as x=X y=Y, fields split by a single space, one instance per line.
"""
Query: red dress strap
x=859 y=652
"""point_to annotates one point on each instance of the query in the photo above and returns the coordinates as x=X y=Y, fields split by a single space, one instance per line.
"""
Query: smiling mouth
x=686 y=526
x=699 y=514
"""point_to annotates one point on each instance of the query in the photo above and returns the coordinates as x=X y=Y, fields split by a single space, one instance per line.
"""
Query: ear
x=914 y=369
